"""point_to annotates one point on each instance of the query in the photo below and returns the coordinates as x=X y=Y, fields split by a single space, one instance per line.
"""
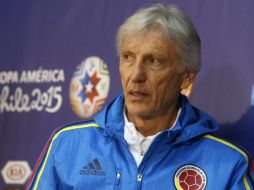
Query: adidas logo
x=93 y=168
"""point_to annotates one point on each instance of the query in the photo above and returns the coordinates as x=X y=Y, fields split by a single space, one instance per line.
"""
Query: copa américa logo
x=89 y=87
x=190 y=177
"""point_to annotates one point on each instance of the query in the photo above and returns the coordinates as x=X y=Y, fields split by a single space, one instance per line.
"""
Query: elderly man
x=149 y=137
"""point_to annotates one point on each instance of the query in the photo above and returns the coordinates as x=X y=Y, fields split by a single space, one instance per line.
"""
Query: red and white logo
x=89 y=87
x=190 y=177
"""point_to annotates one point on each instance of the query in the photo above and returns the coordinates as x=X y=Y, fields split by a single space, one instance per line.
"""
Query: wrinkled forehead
x=150 y=44
x=151 y=41
x=144 y=34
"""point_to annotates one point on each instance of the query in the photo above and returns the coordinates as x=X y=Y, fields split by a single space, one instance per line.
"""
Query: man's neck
x=151 y=126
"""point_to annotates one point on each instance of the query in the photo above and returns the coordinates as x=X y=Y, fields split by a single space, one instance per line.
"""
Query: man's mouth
x=137 y=94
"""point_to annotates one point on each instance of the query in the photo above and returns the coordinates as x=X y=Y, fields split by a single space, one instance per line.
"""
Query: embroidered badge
x=190 y=177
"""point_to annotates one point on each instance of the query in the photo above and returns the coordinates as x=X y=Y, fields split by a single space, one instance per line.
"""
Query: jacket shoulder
x=75 y=128
x=226 y=147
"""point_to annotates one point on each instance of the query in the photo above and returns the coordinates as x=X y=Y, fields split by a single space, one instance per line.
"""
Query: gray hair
x=174 y=24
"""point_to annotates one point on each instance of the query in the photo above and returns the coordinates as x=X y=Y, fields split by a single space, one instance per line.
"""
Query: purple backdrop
x=49 y=49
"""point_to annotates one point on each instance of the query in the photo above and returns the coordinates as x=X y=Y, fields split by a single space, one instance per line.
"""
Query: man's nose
x=138 y=72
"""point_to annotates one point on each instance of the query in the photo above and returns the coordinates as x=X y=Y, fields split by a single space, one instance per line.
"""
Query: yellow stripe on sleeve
x=237 y=149
x=246 y=183
x=50 y=146
x=228 y=144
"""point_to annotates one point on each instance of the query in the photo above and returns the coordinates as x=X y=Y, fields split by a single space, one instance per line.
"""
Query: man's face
x=149 y=73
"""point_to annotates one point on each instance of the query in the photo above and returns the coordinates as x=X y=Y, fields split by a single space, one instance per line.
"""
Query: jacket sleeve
x=44 y=175
x=243 y=176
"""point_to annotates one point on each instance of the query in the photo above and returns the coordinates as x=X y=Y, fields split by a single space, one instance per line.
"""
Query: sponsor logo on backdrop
x=190 y=177
x=89 y=87
x=16 y=172
x=17 y=95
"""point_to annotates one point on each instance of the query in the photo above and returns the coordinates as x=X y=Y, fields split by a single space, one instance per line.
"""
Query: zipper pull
x=118 y=176
x=139 y=177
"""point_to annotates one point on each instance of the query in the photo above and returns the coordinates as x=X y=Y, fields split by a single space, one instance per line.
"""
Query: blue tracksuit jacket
x=94 y=155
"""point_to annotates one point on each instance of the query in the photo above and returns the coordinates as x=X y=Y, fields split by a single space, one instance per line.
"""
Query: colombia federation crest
x=89 y=87
x=190 y=177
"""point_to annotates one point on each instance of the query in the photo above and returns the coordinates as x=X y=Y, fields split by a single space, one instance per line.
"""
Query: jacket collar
x=191 y=123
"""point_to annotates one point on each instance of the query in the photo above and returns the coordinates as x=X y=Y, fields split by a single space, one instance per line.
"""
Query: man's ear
x=187 y=83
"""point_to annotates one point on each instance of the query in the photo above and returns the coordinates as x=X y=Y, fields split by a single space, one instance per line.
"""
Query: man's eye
x=153 y=61
x=127 y=57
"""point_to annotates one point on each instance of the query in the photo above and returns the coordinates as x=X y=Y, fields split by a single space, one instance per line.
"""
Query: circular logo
x=16 y=172
x=89 y=87
x=190 y=177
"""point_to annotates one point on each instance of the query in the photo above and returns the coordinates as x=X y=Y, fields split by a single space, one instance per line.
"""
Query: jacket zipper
x=131 y=158
x=141 y=166
x=117 y=180
x=139 y=180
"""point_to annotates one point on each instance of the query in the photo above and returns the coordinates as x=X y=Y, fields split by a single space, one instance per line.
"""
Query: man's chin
x=137 y=111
